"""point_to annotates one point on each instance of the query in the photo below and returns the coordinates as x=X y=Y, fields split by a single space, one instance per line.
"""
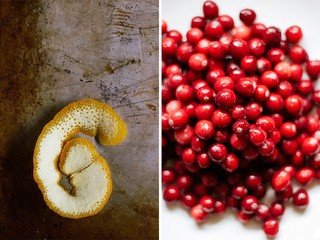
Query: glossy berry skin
x=189 y=200
x=184 y=93
x=266 y=123
x=226 y=98
x=275 y=102
x=301 y=198
x=239 y=192
x=280 y=180
x=221 y=118
x=247 y=16
x=217 y=50
x=185 y=182
x=309 y=146
x=298 y=54
x=239 y=48
x=194 y=35
x=288 y=129
x=313 y=68
x=245 y=86
x=198 y=214
x=178 y=119
x=261 y=93
x=257 y=135
x=238 y=142
x=294 y=105
x=184 y=52
x=217 y=152
x=293 y=34
x=240 y=127
x=277 y=209
x=214 y=30
x=210 y=9
x=270 y=79
x=231 y=162
x=168 y=176
x=226 y=22
x=253 y=110
x=198 y=61
x=266 y=148
x=305 y=175
x=171 y=193
x=205 y=94
x=169 y=46
x=271 y=227
x=207 y=203
x=257 y=47
x=204 y=129
x=238 y=112
x=271 y=36
x=198 y=22
x=204 y=111
x=249 y=204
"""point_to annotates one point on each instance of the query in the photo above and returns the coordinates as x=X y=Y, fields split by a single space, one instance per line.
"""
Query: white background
x=175 y=221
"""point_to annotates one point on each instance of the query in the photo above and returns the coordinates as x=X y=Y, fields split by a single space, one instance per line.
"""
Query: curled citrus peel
x=58 y=152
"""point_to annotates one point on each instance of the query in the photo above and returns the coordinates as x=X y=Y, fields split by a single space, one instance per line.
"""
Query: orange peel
x=58 y=152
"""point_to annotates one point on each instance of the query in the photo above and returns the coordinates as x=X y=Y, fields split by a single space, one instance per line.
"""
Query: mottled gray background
x=59 y=51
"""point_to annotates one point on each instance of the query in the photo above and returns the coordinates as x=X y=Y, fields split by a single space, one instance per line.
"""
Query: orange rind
x=59 y=152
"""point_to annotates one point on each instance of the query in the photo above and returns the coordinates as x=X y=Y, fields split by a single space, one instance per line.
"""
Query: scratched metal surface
x=53 y=53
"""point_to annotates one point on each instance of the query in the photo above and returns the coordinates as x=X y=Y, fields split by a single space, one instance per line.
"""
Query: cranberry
x=239 y=48
x=221 y=118
x=223 y=83
x=263 y=212
x=184 y=135
x=238 y=112
x=188 y=156
x=178 y=119
x=293 y=34
x=198 y=214
x=164 y=26
x=253 y=180
x=203 y=160
x=231 y=162
x=216 y=50
x=294 y=105
x=184 y=52
x=313 y=68
x=171 y=193
x=271 y=227
x=191 y=109
x=226 y=22
x=275 y=102
x=309 y=146
x=289 y=146
x=240 y=127
x=217 y=152
x=247 y=16
x=312 y=124
x=263 y=64
x=257 y=135
x=305 y=87
x=271 y=36
x=214 y=74
x=204 y=111
x=285 y=194
x=222 y=135
x=280 y=180
x=266 y=123
x=210 y=9
x=249 y=204
x=249 y=64
x=239 y=192
x=261 y=93
x=185 y=182
x=288 y=129
x=266 y=148
x=250 y=152
x=214 y=30
x=275 y=55
x=238 y=142
x=283 y=70
x=305 y=175
x=189 y=199
x=298 y=54
x=171 y=69
x=257 y=47
x=219 y=207
x=198 y=22
x=168 y=176
x=277 y=209
x=270 y=79
x=226 y=98
x=184 y=93
x=253 y=110
x=316 y=97
x=300 y=198
x=296 y=72
x=169 y=46
x=207 y=203
x=194 y=35
x=204 y=129
x=246 y=86
x=205 y=94
x=198 y=61
x=241 y=32
x=177 y=79
x=243 y=217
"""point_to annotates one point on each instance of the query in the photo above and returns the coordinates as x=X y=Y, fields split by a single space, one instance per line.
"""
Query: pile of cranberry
x=236 y=104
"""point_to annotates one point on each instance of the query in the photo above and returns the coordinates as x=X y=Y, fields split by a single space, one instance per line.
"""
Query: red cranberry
x=198 y=214
x=277 y=209
x=219 y=207
x=204 y=111
x=226 y=22
x=300 y=198
x=210 y=9
x=250 y=152
x=298 y=54
x=271 y=36
x=217 y=152
x=309 y=146
x=191 y=109
x=198 y=22
x=288 y=129
x=184 y=135
x=217 y=50
x=289 y=146
x=184 y=182
x=247 y=16
x=238 y=112
x=169 y=46
x=280 y=180
x=271 y=227
x=203 y=160
x=266 y=123
x=204 y=129
x=178 y=119
x=198 y=144
x=266 y=148
x=177 y=36
x=294 y=105
x=263 y=64
x=168 y=176
x=222 y=135
x=261 y=93
x=238 y=48
x=275 y=55
x=188 y=156
x=214 y=30
x=184 y=93
x=270 y=79
x=241 y=32
x=226 y=98
x=223 y=83
x=189 y=199
x=221 y=118
x=293 y=34
x=283 y=70
x=184 y=52
x=285 y=194
x=239 y=192
x=257 y=47
x=253 y=180
x=257 y=135
x=296 y=72
x=313 y=68
x=249 y=204
x=231 y=162
x=305 y=175
x=207 y=203
x=171 y=69
x=177 y=79
x=312 y=124
x=243 y=217
x=249 y=64
x=275 y=136
x=171 y=193
x=198 y=61
x=263 y=212
x=275 y=102
x=238 y=142
x=205 y=94
x=246 y=86
x=214 y=74
x=194 y=35
x=253 y=111
x=240 y=127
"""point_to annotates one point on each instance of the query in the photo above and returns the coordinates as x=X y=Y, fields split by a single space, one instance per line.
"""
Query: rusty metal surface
x=56 y=52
